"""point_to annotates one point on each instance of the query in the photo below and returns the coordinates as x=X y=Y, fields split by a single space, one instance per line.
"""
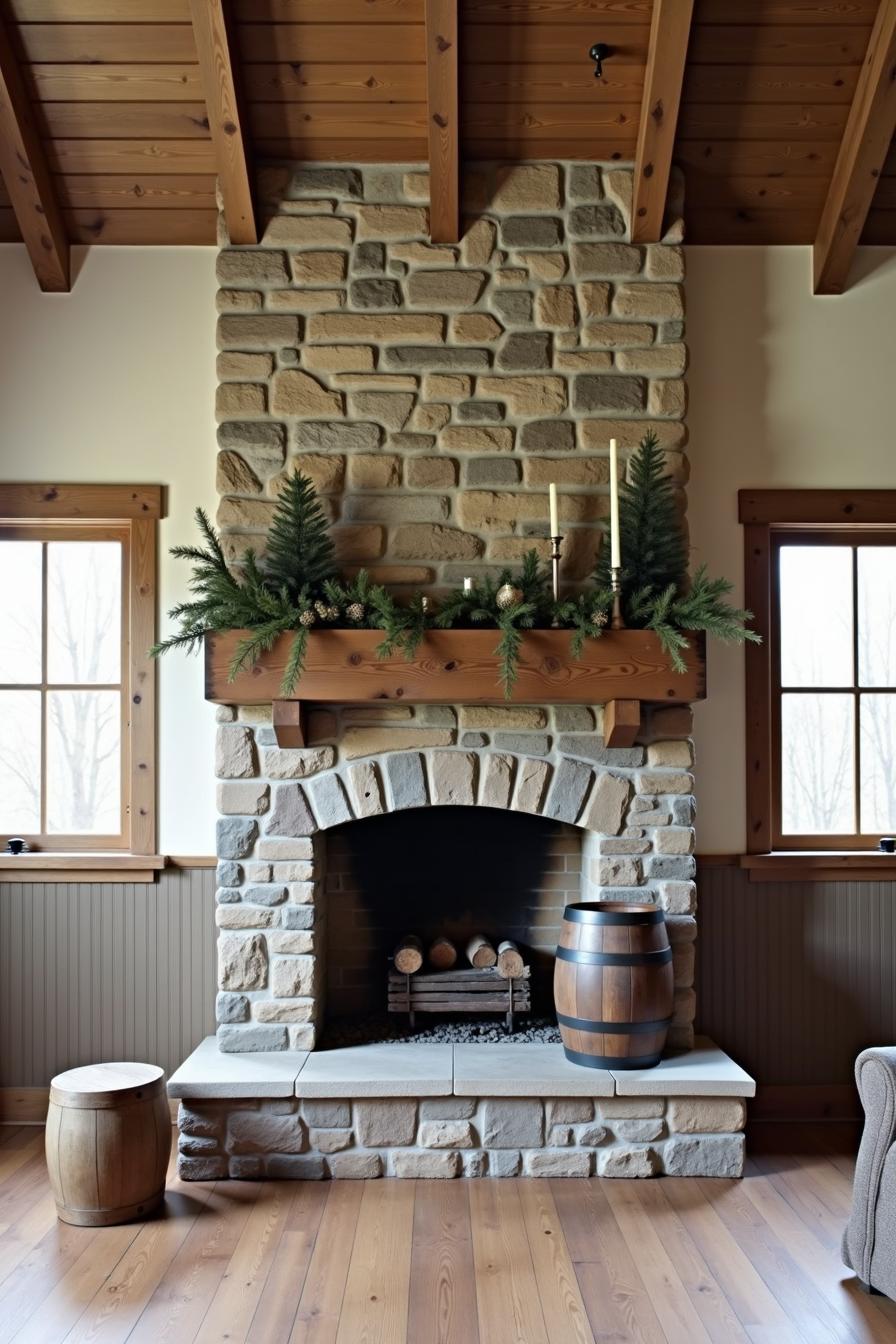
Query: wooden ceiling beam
x=28 y=180
x=443 y=120
x=863 y=150
x=670 y=28
x=227 y=126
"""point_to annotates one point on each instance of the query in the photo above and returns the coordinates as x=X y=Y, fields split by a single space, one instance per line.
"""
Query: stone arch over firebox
x=633 y=806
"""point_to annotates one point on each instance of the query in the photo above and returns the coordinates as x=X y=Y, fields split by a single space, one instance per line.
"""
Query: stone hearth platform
x=452 y=1110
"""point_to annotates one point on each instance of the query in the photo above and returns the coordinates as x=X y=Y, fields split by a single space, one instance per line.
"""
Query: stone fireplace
x=431 y=392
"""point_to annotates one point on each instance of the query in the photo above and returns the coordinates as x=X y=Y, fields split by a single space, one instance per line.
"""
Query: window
x=821 y=690
x=77 y=703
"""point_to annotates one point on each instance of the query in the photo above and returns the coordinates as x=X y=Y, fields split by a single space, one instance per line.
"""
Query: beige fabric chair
x=869 y=1243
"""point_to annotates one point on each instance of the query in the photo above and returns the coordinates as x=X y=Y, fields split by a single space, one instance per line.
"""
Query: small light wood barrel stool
x=108 y=1142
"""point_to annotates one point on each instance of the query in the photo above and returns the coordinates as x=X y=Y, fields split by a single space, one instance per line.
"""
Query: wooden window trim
x=134 y=512
x=765 y=515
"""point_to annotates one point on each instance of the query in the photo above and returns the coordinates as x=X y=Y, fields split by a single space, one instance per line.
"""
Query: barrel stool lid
x=100 y=1085
x=613 y=912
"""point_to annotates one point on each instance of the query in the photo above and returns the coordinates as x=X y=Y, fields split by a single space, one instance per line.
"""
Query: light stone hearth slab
x=530 y=1070
x=378 y=1071
x=209 y=1072
x=705 y=1071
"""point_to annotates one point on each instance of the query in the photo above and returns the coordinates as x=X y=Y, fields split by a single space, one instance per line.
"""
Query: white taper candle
x=555 y=520
x=615 y=553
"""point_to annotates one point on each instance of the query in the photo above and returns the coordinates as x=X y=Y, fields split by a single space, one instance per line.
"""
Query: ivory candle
x=555 y=521
x=468 y=585
x=615 y=556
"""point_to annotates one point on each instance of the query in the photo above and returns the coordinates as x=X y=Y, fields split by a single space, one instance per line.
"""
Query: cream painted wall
x=785 y=390
x=116 y=382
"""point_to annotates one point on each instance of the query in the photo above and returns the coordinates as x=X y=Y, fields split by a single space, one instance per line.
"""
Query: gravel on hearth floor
x=473 y=1031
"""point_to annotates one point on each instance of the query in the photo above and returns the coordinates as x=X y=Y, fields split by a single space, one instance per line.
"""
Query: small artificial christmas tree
x=657 y=592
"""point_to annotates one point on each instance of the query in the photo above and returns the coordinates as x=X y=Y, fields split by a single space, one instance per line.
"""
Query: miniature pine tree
x=653 y=546
x=300 y=553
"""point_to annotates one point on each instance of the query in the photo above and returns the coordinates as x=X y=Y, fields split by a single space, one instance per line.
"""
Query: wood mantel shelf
x=619 y=670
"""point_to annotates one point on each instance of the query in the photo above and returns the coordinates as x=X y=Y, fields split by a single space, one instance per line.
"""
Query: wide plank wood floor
x=455 y=1262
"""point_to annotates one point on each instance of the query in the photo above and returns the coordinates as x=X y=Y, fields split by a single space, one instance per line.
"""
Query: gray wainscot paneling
x=795 y=978
x=102 y=971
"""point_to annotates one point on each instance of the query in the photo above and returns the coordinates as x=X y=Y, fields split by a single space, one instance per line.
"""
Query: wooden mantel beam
x=225 y=121
x=442 y=120
x=670 y=28
x=27 y=177
x=863 y=149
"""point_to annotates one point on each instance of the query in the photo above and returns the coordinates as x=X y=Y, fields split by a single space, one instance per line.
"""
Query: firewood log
x=480 y=952
x=442 y=954
x=510 y=961
x=408 y=955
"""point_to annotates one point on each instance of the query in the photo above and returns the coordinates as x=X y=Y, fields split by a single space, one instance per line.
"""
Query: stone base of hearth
x=445 y=1111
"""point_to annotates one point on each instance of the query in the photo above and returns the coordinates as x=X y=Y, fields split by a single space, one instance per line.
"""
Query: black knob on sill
x=887 y=844
x=15 y=845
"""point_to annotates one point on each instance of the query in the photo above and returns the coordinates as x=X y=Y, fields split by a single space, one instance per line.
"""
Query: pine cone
x=599 y=617
x=321 y=608
x=307 y=618
x=355 y=611
x=333 y=613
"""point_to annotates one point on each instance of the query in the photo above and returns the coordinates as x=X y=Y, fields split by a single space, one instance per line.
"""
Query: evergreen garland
x=297 y=587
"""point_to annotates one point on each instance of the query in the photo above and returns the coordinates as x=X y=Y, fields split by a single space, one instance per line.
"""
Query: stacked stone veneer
x=462 y=1136
x=433 y=392
x=633 y=807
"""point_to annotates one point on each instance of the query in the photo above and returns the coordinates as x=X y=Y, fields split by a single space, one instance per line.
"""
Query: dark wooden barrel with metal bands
x=613 y=984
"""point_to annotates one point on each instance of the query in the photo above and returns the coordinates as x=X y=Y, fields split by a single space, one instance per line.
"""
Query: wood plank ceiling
x=117 y=95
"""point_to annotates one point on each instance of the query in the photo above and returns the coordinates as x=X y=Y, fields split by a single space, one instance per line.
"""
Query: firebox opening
x=451 y=871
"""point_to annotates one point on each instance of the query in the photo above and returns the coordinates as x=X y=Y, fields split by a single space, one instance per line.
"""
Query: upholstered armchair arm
x=876 y=1081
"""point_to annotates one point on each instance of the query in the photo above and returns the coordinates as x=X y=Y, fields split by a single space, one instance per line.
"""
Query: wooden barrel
x=108 y=1142
x=613 y=984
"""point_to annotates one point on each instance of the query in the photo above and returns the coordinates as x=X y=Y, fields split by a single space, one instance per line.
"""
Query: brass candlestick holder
x=556 y=547
x=616 y=621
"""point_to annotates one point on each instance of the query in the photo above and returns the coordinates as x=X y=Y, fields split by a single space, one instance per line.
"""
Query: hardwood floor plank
x=709 y=1299
x=177 y=1308
x=507 y=1298
x=819 y=1266
x=317 y=1319
x=50 y=1321
x=758 y=1310
x=115 y=1309
x=26 y=1232
x=232 y=1308
x=613 y=1291
x=774 y=1261
x=442 y=1304
x=561 y=1299
x=278 y=1302
x=375 y=1306
x=670 y=1299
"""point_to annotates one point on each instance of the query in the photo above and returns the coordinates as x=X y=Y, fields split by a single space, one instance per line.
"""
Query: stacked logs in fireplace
x=488 y=979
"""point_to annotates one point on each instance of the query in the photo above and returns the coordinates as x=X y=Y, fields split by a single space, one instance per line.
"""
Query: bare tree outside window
x=72 y=658
x=823 y=591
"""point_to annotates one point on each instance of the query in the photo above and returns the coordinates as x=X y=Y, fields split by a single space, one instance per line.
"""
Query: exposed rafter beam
x=866 y=139
x=670 y=28
x=27 y=177
x=442 y=120
x=225 y=120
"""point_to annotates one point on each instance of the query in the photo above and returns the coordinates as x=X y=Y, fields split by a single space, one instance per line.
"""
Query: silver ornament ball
x=508 y=594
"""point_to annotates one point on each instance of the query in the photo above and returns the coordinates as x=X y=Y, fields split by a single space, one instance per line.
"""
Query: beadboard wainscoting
x=795 y=978
x=98 y=971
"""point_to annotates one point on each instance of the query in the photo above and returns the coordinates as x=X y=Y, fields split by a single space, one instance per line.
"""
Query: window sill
x=820 y=866
x=45 y=866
